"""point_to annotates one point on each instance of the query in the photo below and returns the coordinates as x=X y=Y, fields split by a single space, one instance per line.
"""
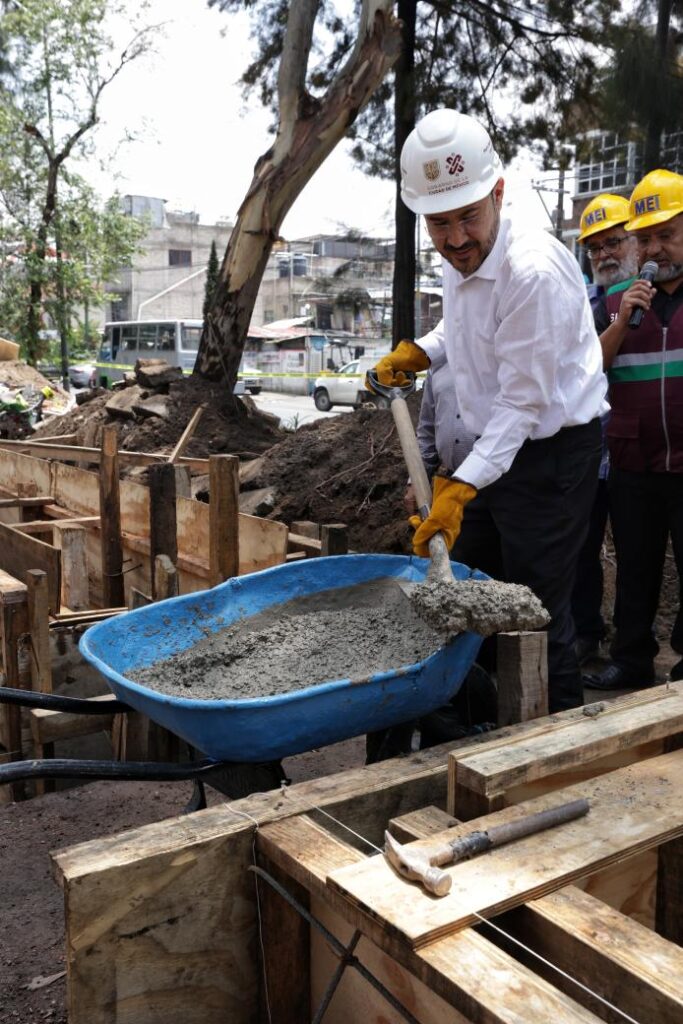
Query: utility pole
x=559 y=212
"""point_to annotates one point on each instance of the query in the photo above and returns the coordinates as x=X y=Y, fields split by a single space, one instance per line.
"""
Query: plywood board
x=20 y=552
x=632 y=809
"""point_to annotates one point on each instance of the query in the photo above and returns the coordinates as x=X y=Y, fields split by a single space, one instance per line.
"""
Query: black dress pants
x=529 y=527
x=645 y=509
x=588 y=588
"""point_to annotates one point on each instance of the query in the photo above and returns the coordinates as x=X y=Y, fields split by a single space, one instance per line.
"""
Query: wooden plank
x=36 y=502
x=19 y=553
x=224 y=490
x=286 y=989
x=421 y=823
x=165 y=578
x=186 y=435
x=13 y=623
x=632 y=809
x=334 y=539
x=657 y=714
x=305 y=528
x=52 y=726
x=301 y=542
x=39 y=626
x=45 y=525
x=71 y=541
x=623 y=962
x=458 y=968
x=110 y=515
x=93 y=455
x=522 y=671
x=163 y=530
x=669 y=913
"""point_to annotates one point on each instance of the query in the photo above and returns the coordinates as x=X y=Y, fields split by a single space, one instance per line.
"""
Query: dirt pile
x=346 y=469
x=153 y=419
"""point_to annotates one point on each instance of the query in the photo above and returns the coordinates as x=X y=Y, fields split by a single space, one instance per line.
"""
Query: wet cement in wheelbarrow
x=345 y=633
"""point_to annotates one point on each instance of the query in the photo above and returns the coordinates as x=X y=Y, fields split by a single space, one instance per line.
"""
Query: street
x=294 y=410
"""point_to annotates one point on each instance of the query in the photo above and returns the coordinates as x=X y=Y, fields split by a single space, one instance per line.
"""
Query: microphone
x=647 y=273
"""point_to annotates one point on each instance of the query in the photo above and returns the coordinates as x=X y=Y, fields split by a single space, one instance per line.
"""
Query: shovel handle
x=420 y=481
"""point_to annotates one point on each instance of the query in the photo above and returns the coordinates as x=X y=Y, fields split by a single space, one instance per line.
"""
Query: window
x=180 y=257
x=148 y=337
x=129 y=338
x=190 y=338
x=166 y=342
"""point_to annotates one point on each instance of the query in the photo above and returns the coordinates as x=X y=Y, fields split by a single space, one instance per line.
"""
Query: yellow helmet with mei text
x=658 y=197
x=603 y=212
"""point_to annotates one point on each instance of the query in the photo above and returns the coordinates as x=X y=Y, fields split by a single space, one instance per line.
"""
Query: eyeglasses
x=610 y=246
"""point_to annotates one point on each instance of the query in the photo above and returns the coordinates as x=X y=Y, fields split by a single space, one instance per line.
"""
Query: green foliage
x=63 y=241
x=212 y=269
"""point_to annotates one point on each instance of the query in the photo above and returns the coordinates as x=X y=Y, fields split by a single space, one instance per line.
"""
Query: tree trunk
x=36 y=264
x=403 y=323
x=308 y=131
x=656 y=120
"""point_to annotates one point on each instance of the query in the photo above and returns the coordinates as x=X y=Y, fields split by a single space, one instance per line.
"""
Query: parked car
x=83 y=375
x=346 y=386
x=251 y=378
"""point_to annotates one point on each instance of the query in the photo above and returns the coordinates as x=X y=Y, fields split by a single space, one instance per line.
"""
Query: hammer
x=424 y=865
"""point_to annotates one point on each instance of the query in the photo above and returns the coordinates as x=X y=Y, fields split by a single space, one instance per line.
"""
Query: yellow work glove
x=406 y=356
x=445 y=516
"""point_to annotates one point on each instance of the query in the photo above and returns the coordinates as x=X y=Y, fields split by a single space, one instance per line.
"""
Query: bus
x=175 y=341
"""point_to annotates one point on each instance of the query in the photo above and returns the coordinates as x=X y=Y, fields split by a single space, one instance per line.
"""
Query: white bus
x=176 y=341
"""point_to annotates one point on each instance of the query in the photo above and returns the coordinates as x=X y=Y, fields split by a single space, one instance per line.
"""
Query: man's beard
x=669 y=273
x=483 y=247
x=616 y=271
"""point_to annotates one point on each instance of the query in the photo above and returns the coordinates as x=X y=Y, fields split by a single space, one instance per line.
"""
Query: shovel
x=446 y=604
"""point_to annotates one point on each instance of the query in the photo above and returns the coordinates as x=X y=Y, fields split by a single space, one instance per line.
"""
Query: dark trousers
x=645 y=509
x=529 y=527
x=588 y=588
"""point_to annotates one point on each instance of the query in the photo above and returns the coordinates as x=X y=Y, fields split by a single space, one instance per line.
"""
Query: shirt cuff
x=476 y=471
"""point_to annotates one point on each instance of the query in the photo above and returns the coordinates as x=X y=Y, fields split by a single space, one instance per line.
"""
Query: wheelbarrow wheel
x=237 y=780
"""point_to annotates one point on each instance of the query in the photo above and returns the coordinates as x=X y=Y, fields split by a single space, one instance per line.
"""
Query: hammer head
x=415 y=865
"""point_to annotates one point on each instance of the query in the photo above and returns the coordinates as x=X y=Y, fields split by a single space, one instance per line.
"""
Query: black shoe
x=676 y=672
x=616 y=678
x=586 y=649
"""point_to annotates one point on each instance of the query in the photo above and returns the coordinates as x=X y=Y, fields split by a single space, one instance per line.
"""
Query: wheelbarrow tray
x=268 y=728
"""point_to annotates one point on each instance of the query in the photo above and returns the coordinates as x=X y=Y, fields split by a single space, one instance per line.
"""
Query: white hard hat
x=448 y=161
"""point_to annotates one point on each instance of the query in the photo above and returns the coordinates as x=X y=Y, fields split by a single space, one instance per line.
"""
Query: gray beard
x=621 y=270
x=674 y=271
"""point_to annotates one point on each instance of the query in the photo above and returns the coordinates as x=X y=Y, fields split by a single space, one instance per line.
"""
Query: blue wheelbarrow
x=269 y=728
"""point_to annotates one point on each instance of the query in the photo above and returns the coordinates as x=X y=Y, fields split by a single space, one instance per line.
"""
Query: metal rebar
x=338 y=947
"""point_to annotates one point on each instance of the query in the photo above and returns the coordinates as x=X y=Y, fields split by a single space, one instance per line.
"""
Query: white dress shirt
x=441 y=434
x=522 y=348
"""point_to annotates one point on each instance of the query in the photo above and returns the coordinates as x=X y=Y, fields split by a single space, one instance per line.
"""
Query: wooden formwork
x=77 y=545
x=162 y=921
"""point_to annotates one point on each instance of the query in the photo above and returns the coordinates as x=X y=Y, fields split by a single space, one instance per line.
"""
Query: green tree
x=212 y=269
x=526 y=68
x=61 y=56
x=643 y=82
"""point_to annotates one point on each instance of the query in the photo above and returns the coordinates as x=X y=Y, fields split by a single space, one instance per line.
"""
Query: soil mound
x=346 y=469
x=227 y=426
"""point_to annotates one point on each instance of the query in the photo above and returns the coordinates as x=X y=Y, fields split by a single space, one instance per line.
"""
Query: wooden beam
x=165 y=578
x=301 y=542
x=51 y=726
x=305 y=528
x=522 y=670
x=19 y=553
x=669 y=906
x=334 y=539
x=224 y=491
x=110 y=516
x=163 y=527
x=71 y=541
x=26 y=502
x=72 y=453
x=13 y=624
x=39 y=627
x=45 y=525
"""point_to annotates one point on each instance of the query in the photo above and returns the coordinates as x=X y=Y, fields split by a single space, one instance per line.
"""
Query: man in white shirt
x=526 y=368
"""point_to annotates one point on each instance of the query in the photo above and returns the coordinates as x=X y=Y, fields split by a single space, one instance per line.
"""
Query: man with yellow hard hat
x=613 y=256
x=644 y=364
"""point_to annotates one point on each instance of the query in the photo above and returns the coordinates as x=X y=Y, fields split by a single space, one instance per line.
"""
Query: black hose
x=54 y=702
x=131 y=771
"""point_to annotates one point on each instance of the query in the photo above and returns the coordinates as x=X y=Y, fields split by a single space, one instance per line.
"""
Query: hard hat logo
x=455 y=163
x=432 y=169
x=646 y=205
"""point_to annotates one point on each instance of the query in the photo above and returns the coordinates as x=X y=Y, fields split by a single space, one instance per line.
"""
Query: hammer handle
x=501 y=834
